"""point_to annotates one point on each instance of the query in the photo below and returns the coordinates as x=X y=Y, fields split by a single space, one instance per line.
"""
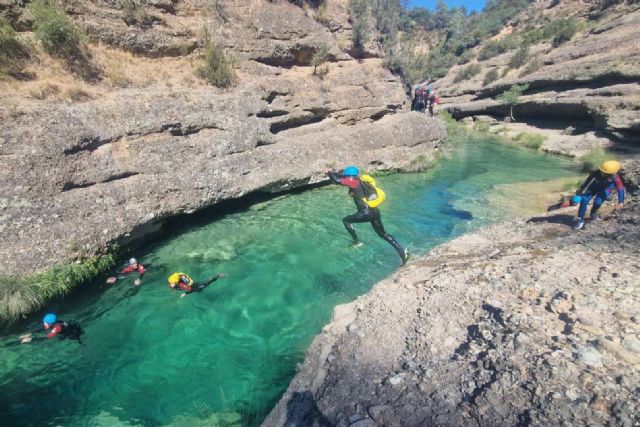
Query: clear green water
x=226 y=355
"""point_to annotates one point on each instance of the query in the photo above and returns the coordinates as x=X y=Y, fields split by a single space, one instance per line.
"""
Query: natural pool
x=224 y=356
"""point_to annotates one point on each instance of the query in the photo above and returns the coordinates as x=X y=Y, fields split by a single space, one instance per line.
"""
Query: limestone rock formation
x=591 y=81
x=85 y=165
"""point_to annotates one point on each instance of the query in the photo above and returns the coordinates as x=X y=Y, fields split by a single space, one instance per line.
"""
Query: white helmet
x=133 y=261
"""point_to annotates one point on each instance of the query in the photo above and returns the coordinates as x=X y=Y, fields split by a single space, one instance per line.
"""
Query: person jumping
x=362 y=195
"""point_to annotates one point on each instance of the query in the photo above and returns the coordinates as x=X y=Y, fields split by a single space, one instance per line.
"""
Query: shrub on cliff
x=497 y=47
x=467 y=72
x=55 y=30
x=519 y=57
x=360 y=30
x=20 y=296
x=60 y=38
x=512 y=96
x=12 y=51
x=561 y=30
x=490 y=77
x=319 y=58
x=217 y=68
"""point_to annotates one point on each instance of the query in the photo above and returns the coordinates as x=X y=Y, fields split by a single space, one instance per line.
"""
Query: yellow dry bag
x=374 y=196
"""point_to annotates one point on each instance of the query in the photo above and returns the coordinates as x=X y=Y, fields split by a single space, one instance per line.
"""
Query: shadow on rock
x=303 y=411
x=555 y=219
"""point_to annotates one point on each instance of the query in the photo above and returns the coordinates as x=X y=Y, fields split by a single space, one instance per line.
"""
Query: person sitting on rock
x=600 y=183
x=182 y=281
x=349 y=178
x=56 y=328
x=134 y=265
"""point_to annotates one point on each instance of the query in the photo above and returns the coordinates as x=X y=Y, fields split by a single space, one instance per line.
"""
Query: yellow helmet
x=174 y=278
x=610 y=167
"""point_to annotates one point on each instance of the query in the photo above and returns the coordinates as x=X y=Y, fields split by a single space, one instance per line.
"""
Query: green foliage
x=320 y=57
x=519 y=57
x=20 y=296
x=467 y=72
x=561 y=30
x=533 y=65
x=592 y=160
x=497 y=47
x=512 y=96
x=134 y=11
x=490 y=77
x=360 y=30
x=530 y=140
x=467 y=56
x=12 y=51
x=481 y=126
x=217 y=68
x=455 y=130
x=61 y=38
x=54 y=29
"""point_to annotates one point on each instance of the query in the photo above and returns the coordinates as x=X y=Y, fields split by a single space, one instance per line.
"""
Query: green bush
x=360 y=31
x=467 y=56
x=481 y=126
x=467 y=72
x=217 y=68
x=533 y=65
x=561 y=30
x=20 y=296
x=54 y=29
x=12 y=51
x=530 y=140
x=490 y=77
x=134 y=11
x=592 y=160
x=320 y=57
x=519 y=57
x=494 y=48
x=512 y=96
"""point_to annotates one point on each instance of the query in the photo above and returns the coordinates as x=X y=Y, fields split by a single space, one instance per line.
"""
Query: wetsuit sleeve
x=335 y=177
x=126 y=270
x=54 y=331
x=587 y=182
x=141 y=270
x=620 y=187
x=186 y=284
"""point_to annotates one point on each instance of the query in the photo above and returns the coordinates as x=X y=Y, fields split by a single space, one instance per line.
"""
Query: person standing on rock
x=600 y=183
x=362 y=194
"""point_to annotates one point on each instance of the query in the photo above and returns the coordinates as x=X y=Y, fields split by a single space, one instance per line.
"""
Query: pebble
x=632 y=344
x=591 y=357
x=397 y=379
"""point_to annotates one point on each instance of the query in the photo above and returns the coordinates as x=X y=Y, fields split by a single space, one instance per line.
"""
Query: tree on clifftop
x=512 y=96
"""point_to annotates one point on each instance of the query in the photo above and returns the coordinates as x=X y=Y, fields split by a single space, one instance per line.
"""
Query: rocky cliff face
x=522 y=323
x=591 y=82
x=149 y=140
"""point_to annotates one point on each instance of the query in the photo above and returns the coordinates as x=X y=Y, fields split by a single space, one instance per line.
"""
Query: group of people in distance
x=424 y=98
x=367 y=196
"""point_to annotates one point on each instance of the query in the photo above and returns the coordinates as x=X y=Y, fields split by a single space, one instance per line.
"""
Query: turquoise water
x=225 y=355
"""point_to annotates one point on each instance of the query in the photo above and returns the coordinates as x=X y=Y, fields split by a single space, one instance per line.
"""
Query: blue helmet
x=576 y=199
x=50 y=319
x=351 y=171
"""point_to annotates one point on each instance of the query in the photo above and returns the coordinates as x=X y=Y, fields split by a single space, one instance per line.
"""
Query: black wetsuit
x=365 y=213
